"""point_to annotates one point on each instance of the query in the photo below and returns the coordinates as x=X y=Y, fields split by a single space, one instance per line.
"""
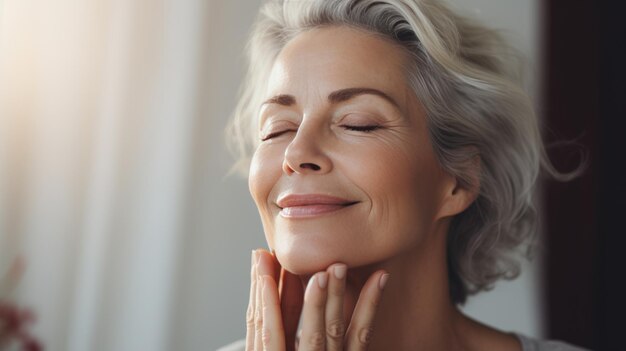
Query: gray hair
x=468 y=80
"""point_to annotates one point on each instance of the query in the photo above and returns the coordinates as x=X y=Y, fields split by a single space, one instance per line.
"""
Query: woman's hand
x=274 y=311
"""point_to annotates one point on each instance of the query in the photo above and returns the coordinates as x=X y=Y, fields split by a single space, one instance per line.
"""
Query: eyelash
x=273 y=135
x=364 y=129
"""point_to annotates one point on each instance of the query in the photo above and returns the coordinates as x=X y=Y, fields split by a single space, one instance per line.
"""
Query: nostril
x=312 y=166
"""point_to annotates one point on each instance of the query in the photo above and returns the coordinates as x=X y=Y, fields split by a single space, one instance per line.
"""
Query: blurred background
x=120 y=229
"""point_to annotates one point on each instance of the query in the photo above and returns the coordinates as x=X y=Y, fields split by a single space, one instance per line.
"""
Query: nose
x=306 y=154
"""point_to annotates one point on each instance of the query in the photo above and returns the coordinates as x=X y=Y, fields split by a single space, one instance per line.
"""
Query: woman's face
x=345 y=171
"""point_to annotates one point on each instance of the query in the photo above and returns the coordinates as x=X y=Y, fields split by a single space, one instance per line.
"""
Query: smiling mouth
x=306 y=205
x=311 y=210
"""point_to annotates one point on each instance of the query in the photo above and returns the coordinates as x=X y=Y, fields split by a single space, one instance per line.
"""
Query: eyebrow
x=334 y=97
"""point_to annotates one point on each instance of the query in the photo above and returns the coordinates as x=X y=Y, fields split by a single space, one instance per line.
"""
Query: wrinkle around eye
x=361 y=118
x=276 y=128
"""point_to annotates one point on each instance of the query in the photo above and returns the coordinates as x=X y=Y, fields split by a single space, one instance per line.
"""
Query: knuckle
x=250 y=324
x=258 y=329
x=258 y=318
x=266 y=337
x=365 y=335
x=250 y=316
x=317 y=340
x=336 y=329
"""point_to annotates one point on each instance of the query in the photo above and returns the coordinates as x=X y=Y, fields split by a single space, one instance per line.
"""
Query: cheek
x=403 y=186
x=265 y=170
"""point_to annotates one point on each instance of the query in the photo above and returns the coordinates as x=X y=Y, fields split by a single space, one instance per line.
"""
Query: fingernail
x=340 y=271
x=322 y=280
x=383 y=281
x=252 y=258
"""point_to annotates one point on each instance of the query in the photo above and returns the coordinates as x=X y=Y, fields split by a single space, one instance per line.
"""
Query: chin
x=306 y=260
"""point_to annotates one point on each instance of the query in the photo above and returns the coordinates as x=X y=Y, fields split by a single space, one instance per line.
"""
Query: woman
x=394 y=158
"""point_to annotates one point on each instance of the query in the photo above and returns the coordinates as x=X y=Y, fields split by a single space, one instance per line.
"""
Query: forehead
x=325 y=59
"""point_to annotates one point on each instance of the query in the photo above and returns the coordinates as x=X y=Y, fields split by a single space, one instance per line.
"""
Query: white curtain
x=112 y=173
x=105 y=112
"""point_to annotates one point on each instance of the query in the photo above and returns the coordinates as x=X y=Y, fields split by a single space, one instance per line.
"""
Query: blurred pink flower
x=14 y=320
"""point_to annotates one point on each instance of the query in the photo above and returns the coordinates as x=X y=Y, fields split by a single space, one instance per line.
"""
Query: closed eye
x=275 y=134
x=362 y=128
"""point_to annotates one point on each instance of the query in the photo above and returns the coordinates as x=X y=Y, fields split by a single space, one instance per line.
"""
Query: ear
x=459 y=194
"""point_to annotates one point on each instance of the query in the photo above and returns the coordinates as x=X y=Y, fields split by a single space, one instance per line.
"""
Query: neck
x=415 y=312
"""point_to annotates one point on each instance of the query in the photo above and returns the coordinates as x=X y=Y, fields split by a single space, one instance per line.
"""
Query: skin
x=396 y=230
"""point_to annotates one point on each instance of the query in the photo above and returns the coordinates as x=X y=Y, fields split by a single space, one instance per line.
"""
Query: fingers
x=250 y=313
x=258 y=312
x=361 y=327
x=268 y=265
x=272 y=318
x=264 y=326
x=291 y=300
x=335 y=324
x=273 y=334
x=313 y=336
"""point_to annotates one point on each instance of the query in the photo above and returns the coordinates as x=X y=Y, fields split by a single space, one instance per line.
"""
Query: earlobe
x=455 y=201
x=458 y=194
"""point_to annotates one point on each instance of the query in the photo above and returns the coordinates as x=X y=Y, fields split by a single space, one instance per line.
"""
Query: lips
x=308 y=205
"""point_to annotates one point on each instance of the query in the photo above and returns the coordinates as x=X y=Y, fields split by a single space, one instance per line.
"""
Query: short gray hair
x=468 y=80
